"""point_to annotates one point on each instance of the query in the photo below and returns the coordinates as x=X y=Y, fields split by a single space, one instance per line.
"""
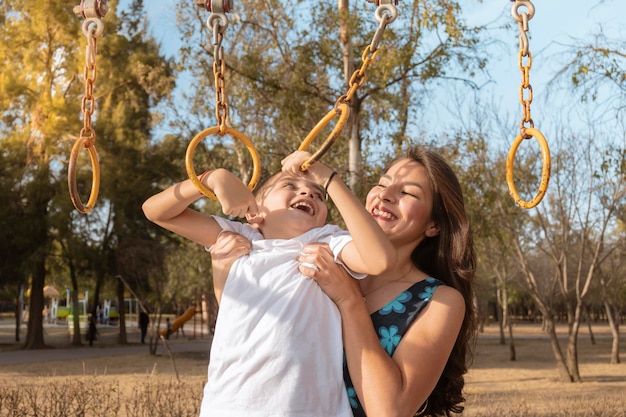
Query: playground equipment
x=527 y=126
x=217 y=23
x=180 y=320
x=94 y=10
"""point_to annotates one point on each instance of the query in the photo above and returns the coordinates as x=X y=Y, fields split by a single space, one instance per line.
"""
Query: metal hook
x=519 y=17
x=392 y=13
x=92 y=9
x=216 y=6
x=379 y=2
x=385 y=14
x=217 y=27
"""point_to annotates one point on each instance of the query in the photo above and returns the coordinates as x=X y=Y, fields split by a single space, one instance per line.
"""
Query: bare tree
x=570 y=229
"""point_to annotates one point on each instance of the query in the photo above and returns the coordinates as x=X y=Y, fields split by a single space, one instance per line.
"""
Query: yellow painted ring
x=191 y=149
x=344 y=111
x=545 y=170
x=71 y=176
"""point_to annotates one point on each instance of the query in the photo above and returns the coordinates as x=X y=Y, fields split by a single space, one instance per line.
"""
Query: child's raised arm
x=170 y=208
x=370 y=251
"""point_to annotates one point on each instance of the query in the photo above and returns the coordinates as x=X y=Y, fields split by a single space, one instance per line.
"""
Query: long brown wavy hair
x=449 y=257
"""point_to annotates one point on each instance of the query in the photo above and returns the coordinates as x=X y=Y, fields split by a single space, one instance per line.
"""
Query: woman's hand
x=228 y=247
x=317 y=261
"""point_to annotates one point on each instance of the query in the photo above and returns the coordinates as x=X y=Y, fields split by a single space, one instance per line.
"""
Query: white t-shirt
x=277 y=349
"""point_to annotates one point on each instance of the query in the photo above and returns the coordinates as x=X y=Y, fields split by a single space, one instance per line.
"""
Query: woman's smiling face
x=402 y=202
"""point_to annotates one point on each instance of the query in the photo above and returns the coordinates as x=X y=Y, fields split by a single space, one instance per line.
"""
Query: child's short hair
x=264 y=185
x=267 y=183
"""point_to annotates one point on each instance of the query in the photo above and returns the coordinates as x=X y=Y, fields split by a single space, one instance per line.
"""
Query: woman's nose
x=386 y=194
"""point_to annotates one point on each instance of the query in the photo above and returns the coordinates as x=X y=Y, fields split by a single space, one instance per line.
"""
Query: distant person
x=92 y=330
x=168 y=330
x=144 y=321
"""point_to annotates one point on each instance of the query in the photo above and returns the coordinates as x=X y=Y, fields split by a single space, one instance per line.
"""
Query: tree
x=570 y=229
x=613 y=290
x=40 y=101
x=38 y=47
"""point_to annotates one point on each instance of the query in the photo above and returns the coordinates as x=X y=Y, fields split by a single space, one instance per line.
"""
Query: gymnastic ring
x=256 y=161
x=545 y=170
x=344 y=111
x=71 y=175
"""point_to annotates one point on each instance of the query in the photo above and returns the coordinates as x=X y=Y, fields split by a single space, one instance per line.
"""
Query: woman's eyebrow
x=416 y=184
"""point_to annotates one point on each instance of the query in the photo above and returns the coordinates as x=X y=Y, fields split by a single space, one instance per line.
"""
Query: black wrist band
x=329 y=180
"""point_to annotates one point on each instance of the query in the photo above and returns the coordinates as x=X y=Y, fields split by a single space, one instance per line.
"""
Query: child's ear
x=432 y=230
x=255 y=218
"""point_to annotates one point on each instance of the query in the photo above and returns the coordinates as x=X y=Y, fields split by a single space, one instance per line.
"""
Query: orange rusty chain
x=385 y=14
x=92 y=11
x=527 y=126
x=217 y=23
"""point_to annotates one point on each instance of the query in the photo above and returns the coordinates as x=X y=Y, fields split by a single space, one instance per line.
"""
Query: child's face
x=296 y=204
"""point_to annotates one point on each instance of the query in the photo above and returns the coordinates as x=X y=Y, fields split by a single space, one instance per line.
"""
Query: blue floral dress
x=391 y=323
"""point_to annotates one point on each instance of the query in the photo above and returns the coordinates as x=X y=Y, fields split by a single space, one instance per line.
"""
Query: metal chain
x=92 y=11
x=527 y=126
x=525 y=63
x=88 y=104
x=385 y=14
x=217 y=23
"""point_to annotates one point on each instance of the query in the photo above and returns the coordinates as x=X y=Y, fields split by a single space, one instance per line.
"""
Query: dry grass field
x=144 y=385
x=530 y=386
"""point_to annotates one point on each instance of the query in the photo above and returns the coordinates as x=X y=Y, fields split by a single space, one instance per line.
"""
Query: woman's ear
x=432 y=230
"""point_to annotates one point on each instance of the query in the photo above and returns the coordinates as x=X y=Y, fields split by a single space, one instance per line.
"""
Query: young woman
x=407 y=333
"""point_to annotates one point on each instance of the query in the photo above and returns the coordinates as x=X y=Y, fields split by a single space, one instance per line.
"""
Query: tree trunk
x=122 y=338
x=34 y=335
x=500 y=311
x=75 y=316
x=74 y=300
x=352 y=125
x=18 y=311
x=572 y=345
x=588 y=320
x=613 y=318
x=513 y=354
x=556 y=350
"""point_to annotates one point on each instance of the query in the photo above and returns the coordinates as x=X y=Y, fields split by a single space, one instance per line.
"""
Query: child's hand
x=317 y=172
x=234 y=196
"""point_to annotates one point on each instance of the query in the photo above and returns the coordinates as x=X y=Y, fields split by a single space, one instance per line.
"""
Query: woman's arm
x=398 y=385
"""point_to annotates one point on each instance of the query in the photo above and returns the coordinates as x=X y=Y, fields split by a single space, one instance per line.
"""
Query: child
x=277 y=349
